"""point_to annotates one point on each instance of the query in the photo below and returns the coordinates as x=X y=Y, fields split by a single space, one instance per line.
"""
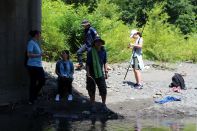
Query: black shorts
x=101 y=84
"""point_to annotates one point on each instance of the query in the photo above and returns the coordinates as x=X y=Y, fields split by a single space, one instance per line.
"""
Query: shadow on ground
x=129 y=83
x=46 y=109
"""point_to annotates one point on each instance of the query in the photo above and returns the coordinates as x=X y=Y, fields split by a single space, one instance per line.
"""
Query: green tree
x=52 y=19
x=162 y=40
x=91 y=4
x=182 y=13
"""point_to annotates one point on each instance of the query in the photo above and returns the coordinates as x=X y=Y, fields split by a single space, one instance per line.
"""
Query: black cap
x=85 y=22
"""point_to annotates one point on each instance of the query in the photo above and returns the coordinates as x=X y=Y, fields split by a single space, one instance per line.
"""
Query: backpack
x=177 y=80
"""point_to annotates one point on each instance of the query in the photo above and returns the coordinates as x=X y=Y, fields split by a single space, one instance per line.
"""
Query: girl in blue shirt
x=64 y=70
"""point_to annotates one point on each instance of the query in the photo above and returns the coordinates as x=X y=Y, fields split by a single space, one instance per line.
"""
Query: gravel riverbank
x=124 y=99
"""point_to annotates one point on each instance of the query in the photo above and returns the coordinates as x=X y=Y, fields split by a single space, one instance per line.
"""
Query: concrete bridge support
x=17 y=18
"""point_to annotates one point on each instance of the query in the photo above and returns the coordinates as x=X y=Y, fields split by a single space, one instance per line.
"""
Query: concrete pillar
x=35 y=12
x=17 y=18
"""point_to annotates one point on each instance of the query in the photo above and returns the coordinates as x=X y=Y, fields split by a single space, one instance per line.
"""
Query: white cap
x=133 y=32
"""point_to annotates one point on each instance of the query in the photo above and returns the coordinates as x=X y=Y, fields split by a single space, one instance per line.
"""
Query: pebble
x=84 y=101
x=155 y=87
x=132 y=98
x=147 y=67
x=86 y=112
x=118 y=73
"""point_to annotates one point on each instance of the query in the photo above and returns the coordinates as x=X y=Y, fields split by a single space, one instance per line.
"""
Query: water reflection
x=173 y=126
x=34 y=123
x=124 y=125
x=62 y=125
x=21 y=123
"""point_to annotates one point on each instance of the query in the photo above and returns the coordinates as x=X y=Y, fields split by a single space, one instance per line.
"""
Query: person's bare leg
x=138 y=78
x=92 y=99
x=103 y=97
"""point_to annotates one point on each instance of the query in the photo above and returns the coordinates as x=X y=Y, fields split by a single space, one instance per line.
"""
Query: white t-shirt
x=138 y=51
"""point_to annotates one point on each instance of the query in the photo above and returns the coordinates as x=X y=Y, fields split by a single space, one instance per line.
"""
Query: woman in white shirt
x=136 y=61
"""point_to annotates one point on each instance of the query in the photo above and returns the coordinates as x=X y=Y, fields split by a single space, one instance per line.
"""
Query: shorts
x=91 y=86
x=135 y=64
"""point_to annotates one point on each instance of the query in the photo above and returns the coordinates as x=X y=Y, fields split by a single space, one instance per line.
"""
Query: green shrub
x=163 y=41
x=61 y=29
x=52 y=19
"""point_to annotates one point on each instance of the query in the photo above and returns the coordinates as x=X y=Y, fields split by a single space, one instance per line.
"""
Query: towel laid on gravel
x=168 y=99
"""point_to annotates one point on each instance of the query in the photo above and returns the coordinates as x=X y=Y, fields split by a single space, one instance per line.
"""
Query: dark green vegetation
x=170 y=33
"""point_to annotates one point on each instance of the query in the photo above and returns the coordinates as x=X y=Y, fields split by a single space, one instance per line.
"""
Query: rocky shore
x=123 y=99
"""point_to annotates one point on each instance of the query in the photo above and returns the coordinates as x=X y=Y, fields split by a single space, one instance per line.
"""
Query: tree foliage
x=182 y=13
x=164 y=34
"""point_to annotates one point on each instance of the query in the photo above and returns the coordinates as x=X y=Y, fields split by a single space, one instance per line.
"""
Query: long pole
x=127 y=70
x=131 y=55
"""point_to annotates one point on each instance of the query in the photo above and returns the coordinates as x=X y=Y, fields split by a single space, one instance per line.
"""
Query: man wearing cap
x=136 y=61
x=96 y=65
x=89 y=35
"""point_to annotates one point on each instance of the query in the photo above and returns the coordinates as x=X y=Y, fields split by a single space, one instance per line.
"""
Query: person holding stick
x=136 y=59
x=97 y=72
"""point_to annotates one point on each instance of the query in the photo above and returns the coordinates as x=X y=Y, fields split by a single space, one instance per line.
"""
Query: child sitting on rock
x=64 y=70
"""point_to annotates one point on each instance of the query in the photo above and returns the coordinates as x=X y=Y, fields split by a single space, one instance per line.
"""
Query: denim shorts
x=135 y=64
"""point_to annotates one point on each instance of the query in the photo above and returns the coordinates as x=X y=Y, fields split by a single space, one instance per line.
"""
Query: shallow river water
x=41 y=123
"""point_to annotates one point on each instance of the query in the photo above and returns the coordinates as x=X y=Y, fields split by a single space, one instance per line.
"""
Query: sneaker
x=70 y=97
x=135 y=84
x=57 y=98
x=138 y=86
